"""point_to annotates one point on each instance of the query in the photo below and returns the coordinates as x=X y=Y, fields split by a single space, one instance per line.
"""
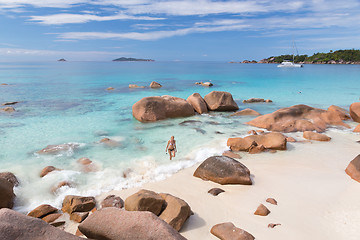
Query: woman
x=171 y=147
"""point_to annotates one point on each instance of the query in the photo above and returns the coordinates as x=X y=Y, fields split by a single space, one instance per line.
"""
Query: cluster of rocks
x=257 y=100
x=299 y=118
x=147 y=215
x=258 y=143
x=150 y=109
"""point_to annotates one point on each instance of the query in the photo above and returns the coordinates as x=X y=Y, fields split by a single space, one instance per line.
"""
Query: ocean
x=67 y=102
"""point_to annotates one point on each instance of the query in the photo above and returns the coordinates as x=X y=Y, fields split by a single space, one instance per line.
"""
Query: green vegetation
x=340 y=56
x=124 y=59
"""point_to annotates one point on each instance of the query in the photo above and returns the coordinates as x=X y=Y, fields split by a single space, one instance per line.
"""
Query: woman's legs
x=170 y=154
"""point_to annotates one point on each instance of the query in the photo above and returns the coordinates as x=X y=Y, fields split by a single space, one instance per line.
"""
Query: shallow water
x=66 y=102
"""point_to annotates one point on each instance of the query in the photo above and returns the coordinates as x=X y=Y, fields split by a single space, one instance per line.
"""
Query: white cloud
x=145 y=36
x=64 y=18
x=8 y=53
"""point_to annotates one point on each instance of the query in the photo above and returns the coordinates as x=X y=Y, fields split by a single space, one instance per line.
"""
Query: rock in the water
x=56 y=149
x=207 y=84
x=215 y=191
x=8 y=109
x=14 y=225
x=135 y=86
x=316 y=136
x=246 y=112
x=84 y=161
x=298 y=118
x=79 y=216
x=231 y=154
x=228 y=231
x=110 y=143
x=355 y=111
x=342 y=113
x=145 y=200
x=262 y=210
x=276 y=141
x=4 y=84
x=47 y=170
x=272 y=201
x=73 y=203
x=51 y=217
x=112 y=201
x=9 y=103
x=154 y=84
x=176 y=212
x=61 y=184
x=254 y=100
x=117 y=224
x=353 y=169
x=150 y=109
x=357 y=128
x=7 y=195
x=198 y=103
x=223 y=170
x=42 y=210
x=10 y=177
x=110 y=88
x=220 y=101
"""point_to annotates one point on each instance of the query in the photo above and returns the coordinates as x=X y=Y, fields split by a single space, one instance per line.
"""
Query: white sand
x=316 y=198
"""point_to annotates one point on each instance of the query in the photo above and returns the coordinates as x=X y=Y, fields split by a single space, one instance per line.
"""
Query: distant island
x=61 y=60
x=349 y=56
x=124 y=59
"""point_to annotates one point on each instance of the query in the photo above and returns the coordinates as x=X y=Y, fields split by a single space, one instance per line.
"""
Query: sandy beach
x=316 y=199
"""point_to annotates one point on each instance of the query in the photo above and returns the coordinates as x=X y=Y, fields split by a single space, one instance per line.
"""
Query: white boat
x=290 y=64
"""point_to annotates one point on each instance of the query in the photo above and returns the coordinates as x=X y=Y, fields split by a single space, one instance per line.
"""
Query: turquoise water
x=66 y=102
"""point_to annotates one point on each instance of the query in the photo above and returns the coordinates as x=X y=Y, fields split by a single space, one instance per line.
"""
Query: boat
x=289 y=63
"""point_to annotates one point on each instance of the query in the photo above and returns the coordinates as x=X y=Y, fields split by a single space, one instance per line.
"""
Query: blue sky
x=205 y=30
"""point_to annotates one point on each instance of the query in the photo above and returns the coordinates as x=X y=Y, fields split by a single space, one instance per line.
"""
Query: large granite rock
x=220 y=101
x=17 y=226
x=42 y=210
x=7 y=195
x=276 y=141
x=353 y=169
x=316 y=136
x=10 y=177
x=116 y=224
x=176 y=212
x=342 y=113
x=355 y=111
x=145 y=200
x=298 y=118
x=150 y=109
x=73 y=203
x=223 y=170
x=228 y=231
x=198 y=103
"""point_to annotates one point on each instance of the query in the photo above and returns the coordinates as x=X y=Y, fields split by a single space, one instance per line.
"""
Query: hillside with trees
x=350 y=56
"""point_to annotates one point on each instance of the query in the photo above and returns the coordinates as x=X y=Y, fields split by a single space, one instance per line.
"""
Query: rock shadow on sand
x=193 y=222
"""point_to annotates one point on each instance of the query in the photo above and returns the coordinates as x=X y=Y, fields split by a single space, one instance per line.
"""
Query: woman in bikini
x=171 y=147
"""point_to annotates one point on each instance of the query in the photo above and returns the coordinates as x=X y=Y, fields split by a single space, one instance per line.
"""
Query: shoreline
x=309 y=176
